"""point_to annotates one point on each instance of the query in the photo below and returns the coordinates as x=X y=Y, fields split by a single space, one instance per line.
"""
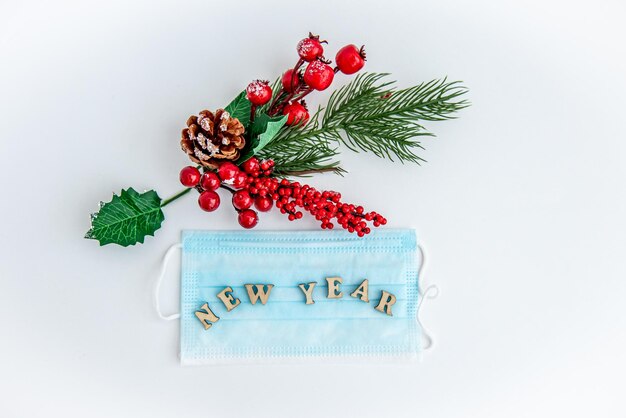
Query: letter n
x=207 y=318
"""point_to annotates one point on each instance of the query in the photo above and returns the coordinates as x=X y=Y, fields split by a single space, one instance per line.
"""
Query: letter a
x=361 y=292
x=260 y=292
x=207 y=318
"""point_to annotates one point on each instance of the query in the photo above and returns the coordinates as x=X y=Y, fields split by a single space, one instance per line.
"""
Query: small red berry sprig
x=252 y=185
x=298 y=82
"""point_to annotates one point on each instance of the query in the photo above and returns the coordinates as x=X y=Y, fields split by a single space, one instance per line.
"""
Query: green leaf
x=264 y=129
x=259 y=125
x=240 y=108
x=273 y=127
x=127 y=218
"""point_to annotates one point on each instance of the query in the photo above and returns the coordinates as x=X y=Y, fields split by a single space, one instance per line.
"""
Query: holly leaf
x=264 y=129
x=273 y=126
x=127 y=218
x=260 y=124
x=240 y=108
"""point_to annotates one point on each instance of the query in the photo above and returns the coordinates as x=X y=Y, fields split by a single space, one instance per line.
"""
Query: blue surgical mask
x=268 y=296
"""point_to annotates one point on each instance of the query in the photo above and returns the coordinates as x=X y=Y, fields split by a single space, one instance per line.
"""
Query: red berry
x=350 y=59
x=262 y=203
x=240 y=181
x=310 y=48
x=242 y=200
x=290 y=80
x=189 y=176
x=209 y=201
x=227 y=171
x=296 y=114
x=318 y=75
x=210 y=181
x=248 y=218
x=259 y=92
x=251 y=165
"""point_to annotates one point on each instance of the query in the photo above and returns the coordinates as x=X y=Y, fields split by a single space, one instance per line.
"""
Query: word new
x=262 y=292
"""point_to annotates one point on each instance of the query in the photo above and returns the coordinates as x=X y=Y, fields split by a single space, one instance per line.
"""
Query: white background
x=521 y=204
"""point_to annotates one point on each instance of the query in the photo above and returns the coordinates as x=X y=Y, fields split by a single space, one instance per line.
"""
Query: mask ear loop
x=157 y=284
x=430 y=292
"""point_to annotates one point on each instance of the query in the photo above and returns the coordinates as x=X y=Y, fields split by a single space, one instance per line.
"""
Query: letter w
x=257 y=291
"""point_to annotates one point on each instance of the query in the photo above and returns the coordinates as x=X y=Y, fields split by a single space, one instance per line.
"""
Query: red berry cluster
x=229 y=177
x=318 y=74
x=324 y=206
x=252 y=184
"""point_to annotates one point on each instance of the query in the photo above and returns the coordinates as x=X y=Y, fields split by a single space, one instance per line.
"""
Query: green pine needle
x=302 y=149
x=368 y=114
x=376 y=117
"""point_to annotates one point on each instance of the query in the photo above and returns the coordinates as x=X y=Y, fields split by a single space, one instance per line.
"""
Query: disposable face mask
x=278 y=296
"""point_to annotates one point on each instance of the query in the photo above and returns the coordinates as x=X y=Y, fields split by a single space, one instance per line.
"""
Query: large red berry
x=290 y=80
x=259 y=92
x=189 y=176
x=310 y=48
x=350 y=59
x=251 y=165
x=318 y=75
x=210 y=181
x=209 y=201
x=248 y=218
x=296 y=113
x=240 y=180
x=263 y=203
x=227 y=171
x=242 y=199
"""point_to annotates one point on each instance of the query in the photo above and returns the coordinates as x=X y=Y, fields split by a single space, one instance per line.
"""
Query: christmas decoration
x=266 y=135
x=211 y=138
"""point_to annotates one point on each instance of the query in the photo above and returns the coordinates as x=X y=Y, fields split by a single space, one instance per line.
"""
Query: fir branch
x=302 y=150
x=368 y=114
x=376 y=117
x=307 y=161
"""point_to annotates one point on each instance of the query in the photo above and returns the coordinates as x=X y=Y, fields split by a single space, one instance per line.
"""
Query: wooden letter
x=386 y=300
x=361 y=292
x=229 y=301
x=207 y=318
x=333 y=287
x=308 y=291
x=260 y=292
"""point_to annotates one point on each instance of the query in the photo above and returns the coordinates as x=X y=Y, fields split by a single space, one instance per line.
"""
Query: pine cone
x=212 y=137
